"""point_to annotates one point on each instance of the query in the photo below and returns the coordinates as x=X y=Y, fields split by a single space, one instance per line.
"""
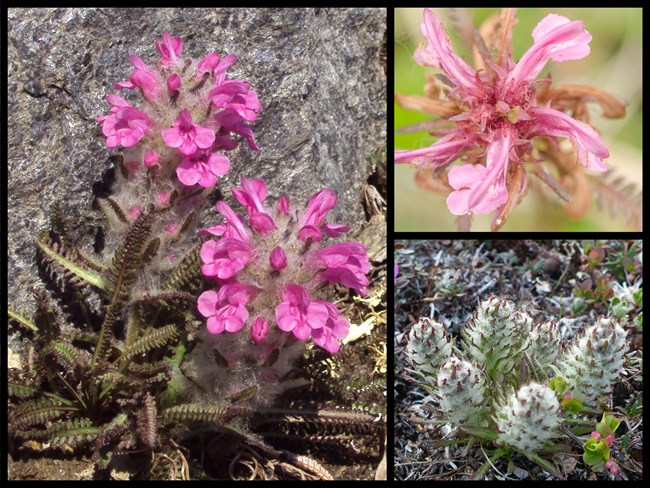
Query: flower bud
x=278 y=259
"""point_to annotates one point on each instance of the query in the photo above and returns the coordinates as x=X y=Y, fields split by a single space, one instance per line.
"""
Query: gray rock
x=317 y=72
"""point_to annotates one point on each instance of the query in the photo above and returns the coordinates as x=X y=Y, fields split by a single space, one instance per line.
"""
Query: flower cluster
x=190 y=112
x=272 y=265
x=492 y=115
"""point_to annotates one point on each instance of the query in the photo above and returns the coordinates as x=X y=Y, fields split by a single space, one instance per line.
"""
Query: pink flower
x=170 y=48
x=187 y=136
x=231 y=121
x=346 y=263
x=609 y=440
x=259 y=329
x=298 y=314
x=335 y=328
x=207 y=64
x=226 y=309
x=395 y=271
x=596 y=435
x=124 y=125
x=143 y=77
x=202 y=168
x=318 y=207
x=221 y=68
x=233 y=227
x=497 y=114
x=237 y=96
x=224 y=258
x=251 y=195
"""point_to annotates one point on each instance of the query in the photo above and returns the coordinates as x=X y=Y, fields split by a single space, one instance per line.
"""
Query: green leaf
x=544 y=464
x=66 y=262
x=596 y=451
x=572 y=405
x=22 y=320
x=558 y=385
x=155 y=339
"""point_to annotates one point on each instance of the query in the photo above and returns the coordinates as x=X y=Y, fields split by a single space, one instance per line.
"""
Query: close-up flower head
x=501 y=122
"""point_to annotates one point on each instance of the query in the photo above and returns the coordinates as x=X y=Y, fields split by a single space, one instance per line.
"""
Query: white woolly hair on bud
x=428 y=346
x=545 y=344
x=595 y=360
x=461 y=391
x=496 y=335
x=528 y=418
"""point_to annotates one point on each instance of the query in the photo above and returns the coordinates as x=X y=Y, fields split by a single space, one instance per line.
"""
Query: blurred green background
x=614 y=65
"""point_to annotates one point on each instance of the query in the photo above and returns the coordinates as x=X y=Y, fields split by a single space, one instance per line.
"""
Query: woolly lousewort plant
x=502 y=119
x=272 y=267
x=501 y=385
x=595 y=360
x=461 y=391
x=529 y=417
x=428 y=346
x=123 y=365
x=496 y=335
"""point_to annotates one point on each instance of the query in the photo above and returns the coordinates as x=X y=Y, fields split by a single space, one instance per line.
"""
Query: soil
x=569 y=281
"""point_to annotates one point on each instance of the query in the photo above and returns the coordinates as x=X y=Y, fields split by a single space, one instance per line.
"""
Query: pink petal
x=219 y=164
x=556 y=38
x=285 y=317
x=591 y=149
x=493 y=186
x=207 y=303
x=262 y=223
x=187 y=172
x=215 y=326
x=172 y=137
x=443 y=151
x=458 y=71
x=203 y=137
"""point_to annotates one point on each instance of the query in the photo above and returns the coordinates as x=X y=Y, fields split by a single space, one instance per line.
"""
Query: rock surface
x=317 y=72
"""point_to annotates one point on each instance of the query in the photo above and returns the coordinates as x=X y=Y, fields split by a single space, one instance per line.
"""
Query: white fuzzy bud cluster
x=545 y=344
x=496 y=335
x=529 y=418
x=592 y=364
x=461 y=391
x=428 y=346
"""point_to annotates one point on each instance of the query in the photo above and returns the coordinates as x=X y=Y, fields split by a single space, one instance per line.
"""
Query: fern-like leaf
x=169 y=299
x=155 y=339
x=111 y=211
x=147 y=422
x=619 y=197
x=192 y=412
x=22 y=391
x=126 y=262
x=65 y=354
x=22 y=321
x=70 y=432
x=38 y=412
x=187 y=276
x=66 y=263
x=105 y=339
